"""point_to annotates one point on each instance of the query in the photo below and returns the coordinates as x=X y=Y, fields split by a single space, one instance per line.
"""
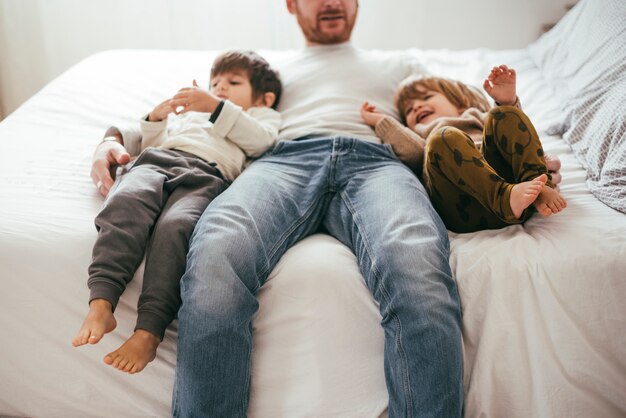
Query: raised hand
x=194 y=99
x=500 y=85
x=161 y=111
x=370 y=115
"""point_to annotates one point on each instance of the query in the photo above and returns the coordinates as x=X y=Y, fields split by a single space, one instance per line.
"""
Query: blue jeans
x=361 y=194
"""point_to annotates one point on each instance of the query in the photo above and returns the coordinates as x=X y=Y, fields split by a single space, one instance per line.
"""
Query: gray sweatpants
x=153 y=210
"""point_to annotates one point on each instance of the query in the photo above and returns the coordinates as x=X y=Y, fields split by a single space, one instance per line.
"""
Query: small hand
x=370 y=115
x=108 y=154
x=194 y=99
x=500 y=85
x=161 y=111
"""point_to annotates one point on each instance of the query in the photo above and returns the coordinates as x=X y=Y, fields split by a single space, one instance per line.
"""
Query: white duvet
x=544 y=312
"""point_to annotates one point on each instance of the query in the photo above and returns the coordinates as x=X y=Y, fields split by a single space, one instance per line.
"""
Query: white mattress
x=543 y=304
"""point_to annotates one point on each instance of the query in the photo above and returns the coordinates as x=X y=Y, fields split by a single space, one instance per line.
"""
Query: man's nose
x=331 y=3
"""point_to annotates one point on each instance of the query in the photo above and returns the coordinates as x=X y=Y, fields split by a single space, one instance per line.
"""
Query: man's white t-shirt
x=325 y=86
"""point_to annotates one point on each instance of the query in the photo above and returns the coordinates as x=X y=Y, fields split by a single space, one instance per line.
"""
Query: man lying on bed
x=329 y=171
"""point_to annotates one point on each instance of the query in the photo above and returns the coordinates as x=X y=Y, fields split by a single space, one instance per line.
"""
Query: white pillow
x=584 y=59
x=597 y=135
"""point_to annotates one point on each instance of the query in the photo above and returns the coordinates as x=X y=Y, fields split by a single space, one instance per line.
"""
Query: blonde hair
x=460 y=94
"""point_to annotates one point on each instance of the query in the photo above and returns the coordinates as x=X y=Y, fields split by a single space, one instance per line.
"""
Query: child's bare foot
x=98 y=322
x=549 y=201
x=135 y=353
x=524 y=194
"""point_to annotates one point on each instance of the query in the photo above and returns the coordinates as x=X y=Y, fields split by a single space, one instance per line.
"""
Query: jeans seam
x=297 y=223
x=175 y=400
x=383 y=291
x=245 y=398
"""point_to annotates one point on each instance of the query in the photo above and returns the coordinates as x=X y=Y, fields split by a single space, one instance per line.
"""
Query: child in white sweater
x=187 y=159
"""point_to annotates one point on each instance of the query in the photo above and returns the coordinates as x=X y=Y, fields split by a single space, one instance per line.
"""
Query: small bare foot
x=524 y=194
x=98 y=322
x=135 y=353
x=549 y=201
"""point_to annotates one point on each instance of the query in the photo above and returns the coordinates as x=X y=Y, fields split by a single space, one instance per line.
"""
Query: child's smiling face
x=431 y=105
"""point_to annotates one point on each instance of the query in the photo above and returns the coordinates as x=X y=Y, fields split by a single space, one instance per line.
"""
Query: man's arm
x=109 y=153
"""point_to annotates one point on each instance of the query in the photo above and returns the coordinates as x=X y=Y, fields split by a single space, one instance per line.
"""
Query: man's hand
x=194 y=99
x=370 y=115
x=500 y=85
x=108 y=154
x=553 y=163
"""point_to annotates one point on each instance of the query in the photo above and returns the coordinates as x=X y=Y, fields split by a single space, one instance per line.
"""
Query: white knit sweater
x=235 y=136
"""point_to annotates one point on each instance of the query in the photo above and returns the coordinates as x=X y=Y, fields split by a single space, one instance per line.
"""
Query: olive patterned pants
x=470 y=185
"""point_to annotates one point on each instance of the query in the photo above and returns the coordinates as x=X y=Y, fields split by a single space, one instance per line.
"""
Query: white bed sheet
x=543 y=303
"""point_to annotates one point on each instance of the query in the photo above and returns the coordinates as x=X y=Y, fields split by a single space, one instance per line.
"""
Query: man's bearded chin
x=316 y=35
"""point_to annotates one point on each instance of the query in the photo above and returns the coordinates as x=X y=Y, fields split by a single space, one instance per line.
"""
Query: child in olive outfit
x=483 y=169
x=188 y=158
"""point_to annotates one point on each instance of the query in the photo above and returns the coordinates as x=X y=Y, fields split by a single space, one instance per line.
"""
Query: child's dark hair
x=263 y=78
x=460 y=94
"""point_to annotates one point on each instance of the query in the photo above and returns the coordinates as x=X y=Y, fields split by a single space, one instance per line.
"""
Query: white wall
x=39 y=39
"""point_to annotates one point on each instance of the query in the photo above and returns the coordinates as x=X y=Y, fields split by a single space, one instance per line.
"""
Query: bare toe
x=95 y=337
x=99 y=321
x=525 y=193
x=81 y=338
x=122 y=364
x=549 y=201
x=136 y=352
x=110 y=358
x=543 y=209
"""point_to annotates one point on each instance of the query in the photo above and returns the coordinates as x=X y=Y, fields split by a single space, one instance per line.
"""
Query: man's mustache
x=331 y=14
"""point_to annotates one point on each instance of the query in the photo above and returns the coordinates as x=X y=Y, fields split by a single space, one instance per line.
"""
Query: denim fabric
x=361 y=194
